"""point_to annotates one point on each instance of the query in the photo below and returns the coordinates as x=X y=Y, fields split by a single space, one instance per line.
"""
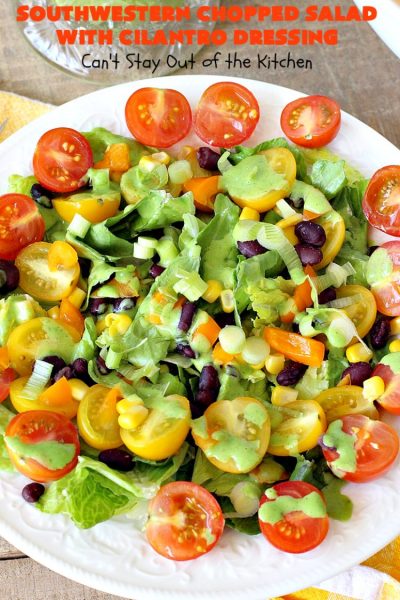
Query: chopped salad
x=199 y=337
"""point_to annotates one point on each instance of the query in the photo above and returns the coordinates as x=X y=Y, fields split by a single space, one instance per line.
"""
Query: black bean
x=9 y=277
x=65 y=372
x=208 y=159
x=358 y=372
x=209 y=380
x=41 y=195
x=185 y=350
x=250 y=248
x=202 y=401
x=156 y=270
x=291 y=373
x=32 y=492
x=308 y=254
x=310 y=233
x=117 y=459
x=122 y=304
x=327 y=295
x=187 y=314
x=380 y=332
x=101 y=366
x=57 y=362
x=98 y=306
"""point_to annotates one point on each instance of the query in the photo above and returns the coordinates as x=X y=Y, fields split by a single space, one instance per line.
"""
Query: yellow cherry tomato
x=234 y=434
x=98 y=418
x=345 y=400
x=335 y=231
x=163 y=431
x=37 y=279
x=38 y=338
x=295 y=427
x=363 y=310
x=56 y=398
x=92 y=207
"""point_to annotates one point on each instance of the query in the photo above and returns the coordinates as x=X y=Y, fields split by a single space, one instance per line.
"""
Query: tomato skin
x=98 y=418
x=219 y=120
x=6 y=378
x=363 y=311
x=387 y=291
x=390 y=400
x=317 y=121
x=167 y=116
x=377 y=447
x=380 y=208
x=61 y=160
x=200 y=513
x=20 y=224
x=56 y=398
x=306 y=532
x=37 y=426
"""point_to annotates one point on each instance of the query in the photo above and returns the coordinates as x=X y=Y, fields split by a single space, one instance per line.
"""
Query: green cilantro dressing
x=208 y=535
x=51 y=454
x=169 y=406
x=311 y=505
x=288 y=441
x=251 y=178
x=230 y=447
x=344 y=443
x=256 y=414
x=392 y=360
x=199 y=427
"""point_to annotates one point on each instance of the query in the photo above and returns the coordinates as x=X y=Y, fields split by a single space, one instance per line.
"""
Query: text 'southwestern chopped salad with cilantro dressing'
x=199 y=338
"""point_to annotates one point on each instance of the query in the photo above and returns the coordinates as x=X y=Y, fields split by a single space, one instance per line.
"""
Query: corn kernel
x=282 y=395
x=258 y=367
x=291 y=236
x=394 y=346
x=134 y=418
x=54 y=312
x=127 y=404
x=77 y=297
x=373 y=388
x=395 y=326
x=213 y=291
x=358 y=353
x=154 y=319
x=100 y=325
x=117 y=324
x=275 y=363
x=79 y=389
x=290 y=221
x=147 y=164
x=161 y=157
x=249 y=214
x=227 y=301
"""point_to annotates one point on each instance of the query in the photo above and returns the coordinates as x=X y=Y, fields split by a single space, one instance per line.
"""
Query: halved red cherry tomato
x=390 y=399
x=6 y=378
x=226 y=115
x=387 y=290
x=297 y=522
x=376 y=446
x=381 y=202
x=42 y=445
x=158 y=117
x=61 y=159
x=185 y=521
x=312 y=121
x=20 y=224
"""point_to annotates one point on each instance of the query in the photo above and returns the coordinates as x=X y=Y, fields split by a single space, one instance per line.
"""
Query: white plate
x=386 y=25
x=112 y=556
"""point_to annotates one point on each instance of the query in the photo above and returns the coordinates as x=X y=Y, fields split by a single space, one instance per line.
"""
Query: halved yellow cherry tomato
x=335 y=231
x=345 y=400
x=37 y=338
x=363 y=311
x=62 y=256
x=234 y=434
x=37 y=279
x=98 y=418
x=295 y=427
x=163 y=431
x=92 y=207
x=56 y=398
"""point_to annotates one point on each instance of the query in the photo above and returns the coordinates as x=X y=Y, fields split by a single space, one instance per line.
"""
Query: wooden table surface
x=361 y=73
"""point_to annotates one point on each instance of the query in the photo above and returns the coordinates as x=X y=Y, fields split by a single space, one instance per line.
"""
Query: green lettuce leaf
x=86 y=347
x=233 y=386
x=252 y=270
x=158 y=209
x=17 y=309
x=100 y=138
x=329 y=177
x=5 y=417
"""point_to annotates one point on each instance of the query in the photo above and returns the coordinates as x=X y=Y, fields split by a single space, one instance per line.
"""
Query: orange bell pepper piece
x=210 y=329
x=204 y=190
x=4 y=358
x=302 y=294
x=58 y=397
x=72 y=316
x=116 y=158
x=61 y=254
x=295 y=346
x=220 y=356
x=310 y=216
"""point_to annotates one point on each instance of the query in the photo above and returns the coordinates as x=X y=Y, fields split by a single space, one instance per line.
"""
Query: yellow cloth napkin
x=379 y=577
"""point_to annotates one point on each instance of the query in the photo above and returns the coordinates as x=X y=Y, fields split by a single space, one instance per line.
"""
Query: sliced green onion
x=147 y=242
x=343 y=302
x=232 y=339
x=200 y=344
x=24 y=311
x=246 y=230
x=100 y=180
x=285 y=209
x=180 y=171
x=167 y=251
x=223 y=162
x=142 y=252
x=113 y=359
x=272 y=237
x=341 y=331
x=191 y=285
x=79 y=226
x=335 y=275
x=38 y=380
x=255 y=350
x=245 y=497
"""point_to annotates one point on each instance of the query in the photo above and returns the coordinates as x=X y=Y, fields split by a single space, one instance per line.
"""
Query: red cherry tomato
x=61 y=159
x=185 y=521
x=20 y=224
x=387 y=290
x=312 y=121
x=381 y=202
x=226 y=115
x=296 y=531
x=390 y=399
x=6 y=378
x=376 y=446
x=157 y=117
x=39 y=441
